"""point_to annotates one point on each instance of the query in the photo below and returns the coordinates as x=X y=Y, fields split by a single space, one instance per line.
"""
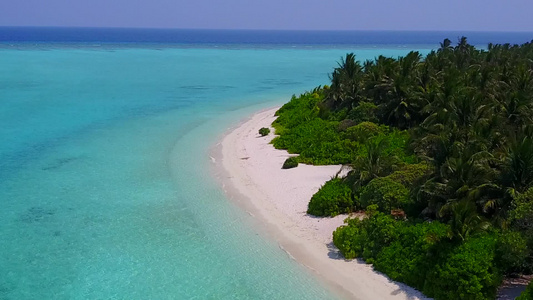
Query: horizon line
x=262 y=29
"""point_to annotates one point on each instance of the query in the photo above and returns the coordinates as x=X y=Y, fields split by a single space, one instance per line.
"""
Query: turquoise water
x=105 y=179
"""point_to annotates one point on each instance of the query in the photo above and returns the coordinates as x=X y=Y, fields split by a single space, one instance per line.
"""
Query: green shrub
x=397 y=145
x=423 y=256
x=291 y=162
x=521 y=216
x=380 y=231
x=333 y=198
x=363 y=131
x=317 y=142
x=364 y=112
x=527 y=294
x=410 y=174
x=511 y=252
x=368 y=237
x=349 y=239
x=345 y=124
x=396 y=141
x=414 y=253
x=468 y=272
x=338 y=115
x=297 y=111
x=306 y=127
x=264 y=131
x=521 y=219
x=385 y=193
x=528 y=236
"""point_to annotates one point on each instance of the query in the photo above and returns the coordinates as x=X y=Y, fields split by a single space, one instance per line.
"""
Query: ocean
x=106 y=185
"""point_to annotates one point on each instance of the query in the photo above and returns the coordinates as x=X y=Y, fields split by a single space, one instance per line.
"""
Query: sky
x=445 y=15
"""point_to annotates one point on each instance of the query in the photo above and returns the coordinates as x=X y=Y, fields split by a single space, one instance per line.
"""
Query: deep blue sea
x=106 y=187
x=201 y=38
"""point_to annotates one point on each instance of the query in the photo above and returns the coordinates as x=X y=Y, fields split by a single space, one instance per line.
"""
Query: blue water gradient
x=105 y=180
x=250 y=38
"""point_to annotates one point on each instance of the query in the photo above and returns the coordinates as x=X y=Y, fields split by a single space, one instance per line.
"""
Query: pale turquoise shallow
x=105 y=182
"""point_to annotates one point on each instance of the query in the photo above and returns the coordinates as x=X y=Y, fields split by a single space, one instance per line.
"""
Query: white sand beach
x=251 y=173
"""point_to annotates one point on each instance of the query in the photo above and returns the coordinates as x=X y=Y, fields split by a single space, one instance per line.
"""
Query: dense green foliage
x=512 y=252
x=521 y=216
x=263 y=131
x=410 y=257
x=467 y=272
x=291 y=162
x=386 y=193
x=409 y=175
x=423 y=255
x=528 y=293
x=324 y=141
x=365 y=238
x=363 y=131
x=335 y=197
x=302 y=131
x=448 y=139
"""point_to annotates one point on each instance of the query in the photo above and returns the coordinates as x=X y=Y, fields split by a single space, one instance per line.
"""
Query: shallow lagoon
x=105 y=184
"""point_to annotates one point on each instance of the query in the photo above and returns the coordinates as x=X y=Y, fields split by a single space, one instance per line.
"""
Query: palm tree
x=445 y=45
x=517 y=173
x=463 y=52
x=465 y=175
x=465 y=221
x=516 y=96
x=345 y=80
x=372 y=165
x=378 y=77
x=469 y=112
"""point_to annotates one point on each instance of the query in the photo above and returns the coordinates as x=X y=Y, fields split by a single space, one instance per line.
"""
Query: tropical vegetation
x=334 y=198
x=291 y=162
x=527 y=294
x=440 y=156
x=263 y=131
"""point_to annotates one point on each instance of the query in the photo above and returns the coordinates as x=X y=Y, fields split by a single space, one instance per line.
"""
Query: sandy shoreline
x=251 y=172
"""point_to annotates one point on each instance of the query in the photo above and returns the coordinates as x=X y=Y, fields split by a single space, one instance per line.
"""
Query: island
x=404 y=178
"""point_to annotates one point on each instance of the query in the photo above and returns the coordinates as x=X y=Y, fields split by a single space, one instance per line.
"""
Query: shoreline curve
x=249 y=169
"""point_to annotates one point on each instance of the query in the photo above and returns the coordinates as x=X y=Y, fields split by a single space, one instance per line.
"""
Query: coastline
x=249 y=169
